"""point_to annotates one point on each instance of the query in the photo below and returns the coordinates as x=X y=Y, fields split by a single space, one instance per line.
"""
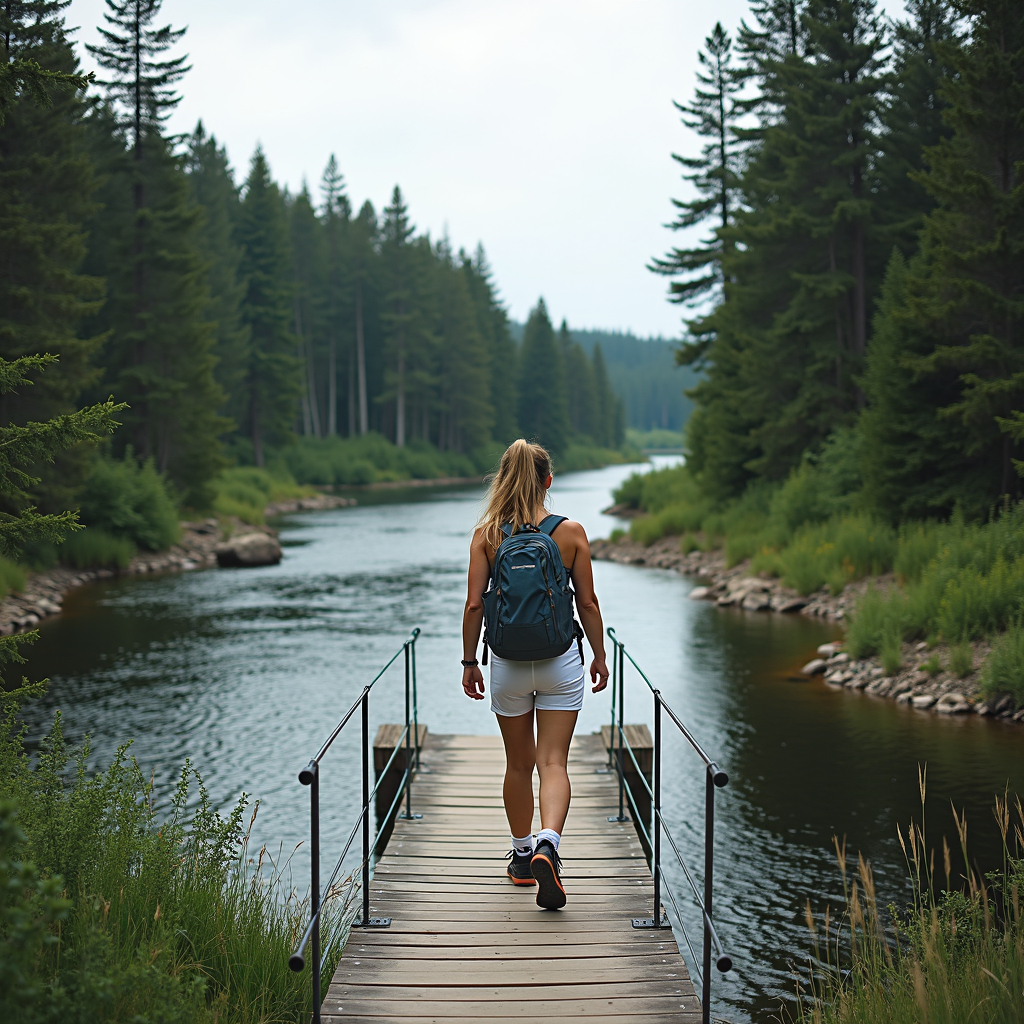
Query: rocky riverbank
x=203 y=544
x=924 y=681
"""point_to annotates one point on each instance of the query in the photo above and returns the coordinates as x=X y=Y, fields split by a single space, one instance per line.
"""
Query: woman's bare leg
x=520 y=758
x=554 y=734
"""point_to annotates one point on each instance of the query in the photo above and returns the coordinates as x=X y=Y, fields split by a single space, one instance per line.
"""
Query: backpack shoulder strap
x=549 y=523
x=506 y=529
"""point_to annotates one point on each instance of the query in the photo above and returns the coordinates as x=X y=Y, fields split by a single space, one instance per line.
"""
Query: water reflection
x=243 y=672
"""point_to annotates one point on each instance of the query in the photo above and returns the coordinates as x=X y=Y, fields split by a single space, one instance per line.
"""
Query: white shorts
x=555 y=684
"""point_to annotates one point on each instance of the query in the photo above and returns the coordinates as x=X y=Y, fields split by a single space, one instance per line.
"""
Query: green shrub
x=933 y=666
x=12 y=577
x=166 y=918
x=864 y=635
x=130 y=500
x=616 y=535
x=891 y=647
x=94 y=547
x=961 y=659
x=1003 y=671
x=689 y=542
x=975 y=602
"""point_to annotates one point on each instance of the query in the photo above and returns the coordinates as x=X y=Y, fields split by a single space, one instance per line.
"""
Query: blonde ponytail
x=517 y=492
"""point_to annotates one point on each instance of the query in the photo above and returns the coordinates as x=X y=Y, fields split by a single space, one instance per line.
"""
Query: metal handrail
x=715 y=778
x=310 y=776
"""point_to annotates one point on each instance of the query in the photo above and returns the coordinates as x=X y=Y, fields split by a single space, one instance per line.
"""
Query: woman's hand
x=599 y=674
x=473 y=682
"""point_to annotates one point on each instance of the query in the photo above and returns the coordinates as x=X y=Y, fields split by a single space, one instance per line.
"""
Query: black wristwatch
x=470 y=664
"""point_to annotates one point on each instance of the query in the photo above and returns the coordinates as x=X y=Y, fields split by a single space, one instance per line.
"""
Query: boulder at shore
x=247 y=550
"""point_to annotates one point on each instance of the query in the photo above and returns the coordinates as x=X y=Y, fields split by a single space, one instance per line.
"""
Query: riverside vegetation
x=860 y=409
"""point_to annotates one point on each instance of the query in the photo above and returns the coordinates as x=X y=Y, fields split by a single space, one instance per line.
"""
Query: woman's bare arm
x=473 y=616
x=586 y=603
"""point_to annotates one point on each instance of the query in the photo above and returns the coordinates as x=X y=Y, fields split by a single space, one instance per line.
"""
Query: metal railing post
x=615 y=680
x=365 y=748
x=622 y=765
x=408 y=815
x=314 y=887
x=656 y=812
x=415 y=705
x=709 y=869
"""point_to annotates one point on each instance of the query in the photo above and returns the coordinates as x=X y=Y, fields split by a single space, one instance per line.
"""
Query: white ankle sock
x=523 y=846
x=550 y=835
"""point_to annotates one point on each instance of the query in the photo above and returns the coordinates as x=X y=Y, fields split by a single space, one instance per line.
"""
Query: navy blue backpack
x=528 y=604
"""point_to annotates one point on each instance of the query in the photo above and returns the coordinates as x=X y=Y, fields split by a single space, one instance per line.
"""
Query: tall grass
x=245 y=492
x=1004 y=669
x=165 y=917
x=955 y=956
x=93 y=546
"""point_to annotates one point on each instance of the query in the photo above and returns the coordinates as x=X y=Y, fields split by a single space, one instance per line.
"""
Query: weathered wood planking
x=465 y=944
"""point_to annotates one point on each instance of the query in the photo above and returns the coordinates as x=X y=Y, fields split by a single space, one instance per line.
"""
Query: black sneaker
x=546 y=865
x=519 y=868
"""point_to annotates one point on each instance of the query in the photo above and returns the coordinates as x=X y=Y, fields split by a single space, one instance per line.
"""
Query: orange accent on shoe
x=554 y=873
x=523 y=881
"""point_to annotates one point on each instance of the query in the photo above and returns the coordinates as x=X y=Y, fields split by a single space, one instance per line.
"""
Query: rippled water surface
x=244 y=671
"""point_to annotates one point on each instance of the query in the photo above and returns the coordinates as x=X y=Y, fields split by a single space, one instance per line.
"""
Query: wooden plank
x=465 y=944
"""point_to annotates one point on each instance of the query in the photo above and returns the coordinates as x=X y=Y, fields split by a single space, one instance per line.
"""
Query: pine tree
x=159 y=357
x=213 y=188
x=581 y=387
x=408 y=343
x=362 y=254
x=47 y=188
x=965 y=296
x=309 y=300
x=713 y=114
x=336 y=213
x=464 y=413
x=610 y=423
x=786 y=346
x=492 y=320
x=273 y=380
x=542 y=408
x=912 y=115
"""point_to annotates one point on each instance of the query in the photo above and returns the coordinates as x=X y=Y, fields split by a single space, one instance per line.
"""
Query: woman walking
x=521 y=563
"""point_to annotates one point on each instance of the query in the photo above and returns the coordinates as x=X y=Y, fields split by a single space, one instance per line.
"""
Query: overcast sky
x=541 y=129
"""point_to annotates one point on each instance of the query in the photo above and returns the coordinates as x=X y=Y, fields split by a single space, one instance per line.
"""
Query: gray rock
x=814 y=668
x=827 y=650
x=756 y=602
x=925 y=700
x=250 y=549
x=787 y=603
x=698 y=593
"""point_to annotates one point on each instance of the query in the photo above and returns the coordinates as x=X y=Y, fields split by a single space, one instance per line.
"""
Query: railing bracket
x=373 y=922
x=410 y=817
x=648 y=922
x=619 y=817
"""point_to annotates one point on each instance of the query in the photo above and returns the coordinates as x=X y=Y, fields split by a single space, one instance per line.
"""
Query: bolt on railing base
x=373 y=922
x=619 y=817
x=649 y=922
x=410 y=817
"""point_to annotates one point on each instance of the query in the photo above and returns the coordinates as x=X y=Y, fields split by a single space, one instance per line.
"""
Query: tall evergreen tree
x=160 y=354
x=493 y=323
x=362 y=241
x=465 y=417
x=309 y=301
x=407 y=339
x=213 y=188
x=713 y=114
x=610 y=422
x=336 y=213
x=962 y=381
x=542 y=407
x=912 y=118
x=273 y=380
x=47 y=191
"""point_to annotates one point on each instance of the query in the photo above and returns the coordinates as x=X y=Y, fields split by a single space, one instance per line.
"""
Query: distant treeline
x=232 y=315
x=862 y=181
x=644 y=374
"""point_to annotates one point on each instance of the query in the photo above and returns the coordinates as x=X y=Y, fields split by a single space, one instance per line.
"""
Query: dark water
x=245 y=671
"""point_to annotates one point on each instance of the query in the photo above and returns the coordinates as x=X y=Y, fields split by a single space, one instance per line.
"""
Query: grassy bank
x=954 y=581
x=113 y=910
x=954 y=956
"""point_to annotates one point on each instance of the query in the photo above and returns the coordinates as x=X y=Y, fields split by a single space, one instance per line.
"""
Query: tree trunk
x=351 y=393
x=254 y=425
x=332 y=388
x=361 y=360
x=400 y=402
x=860 y=331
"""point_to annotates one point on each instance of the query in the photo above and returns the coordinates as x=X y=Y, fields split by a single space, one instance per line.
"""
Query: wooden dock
x=466 y=944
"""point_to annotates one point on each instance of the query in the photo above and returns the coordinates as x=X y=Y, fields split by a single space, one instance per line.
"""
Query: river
x=244 y=672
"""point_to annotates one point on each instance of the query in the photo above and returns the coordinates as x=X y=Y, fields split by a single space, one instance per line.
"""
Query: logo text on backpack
x=522 y=566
